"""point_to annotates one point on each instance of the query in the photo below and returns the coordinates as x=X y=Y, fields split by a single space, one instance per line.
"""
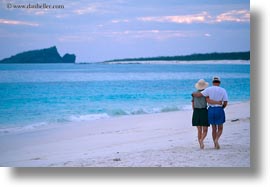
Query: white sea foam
x=88 y=117
x=10 y=129
x=187 y=107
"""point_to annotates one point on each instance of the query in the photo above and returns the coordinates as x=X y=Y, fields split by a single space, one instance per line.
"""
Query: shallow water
x=40 y=94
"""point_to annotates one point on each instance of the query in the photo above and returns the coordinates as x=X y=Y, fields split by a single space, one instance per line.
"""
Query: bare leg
x=219 y=132
x=204 y=134
x=199 y=134
x=214 y=134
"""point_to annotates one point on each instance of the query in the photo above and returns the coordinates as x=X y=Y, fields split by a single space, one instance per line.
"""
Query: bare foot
x=217 y=146
x=201 y=144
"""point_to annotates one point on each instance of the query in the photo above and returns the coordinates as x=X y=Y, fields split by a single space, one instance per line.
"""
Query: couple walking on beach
x=208 y=105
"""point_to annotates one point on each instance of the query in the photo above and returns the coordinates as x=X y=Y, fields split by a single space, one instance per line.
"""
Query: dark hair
x=216 y=81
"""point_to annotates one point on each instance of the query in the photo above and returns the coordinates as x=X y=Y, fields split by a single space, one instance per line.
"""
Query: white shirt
x=215 y=93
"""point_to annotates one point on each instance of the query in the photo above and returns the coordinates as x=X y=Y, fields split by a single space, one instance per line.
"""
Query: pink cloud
x=187 y=19
x=203 y=17
x=234 y=16
x=16 y=22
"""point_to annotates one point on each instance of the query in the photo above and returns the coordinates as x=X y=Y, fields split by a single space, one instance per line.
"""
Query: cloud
x=40 y=12
x=86 y=10
x=16 y=22
x=120 y=21
x=203 y=17
x=152 y=34
x=187 y=19
x=128 y=35
x=94 y=7
x=234 y=16
x=60 y=16
x=79 y=37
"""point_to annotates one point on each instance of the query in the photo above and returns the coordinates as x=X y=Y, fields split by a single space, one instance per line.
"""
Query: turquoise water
x=58 y=93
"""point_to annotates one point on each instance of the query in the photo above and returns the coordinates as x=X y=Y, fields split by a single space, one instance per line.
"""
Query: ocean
x=40 y=95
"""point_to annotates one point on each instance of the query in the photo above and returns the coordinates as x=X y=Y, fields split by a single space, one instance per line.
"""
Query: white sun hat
x=201 y=84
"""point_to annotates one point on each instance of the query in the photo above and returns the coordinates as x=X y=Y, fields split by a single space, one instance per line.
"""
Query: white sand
x=184 y=62
x=153 y=140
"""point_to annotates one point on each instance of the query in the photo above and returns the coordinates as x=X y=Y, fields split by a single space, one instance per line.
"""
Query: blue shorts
x=216 y=115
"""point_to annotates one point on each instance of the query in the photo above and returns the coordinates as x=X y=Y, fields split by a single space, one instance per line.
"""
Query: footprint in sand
x=66 y=163
x=37 y=158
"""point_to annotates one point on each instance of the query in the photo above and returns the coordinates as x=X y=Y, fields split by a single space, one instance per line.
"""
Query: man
x=216 y=114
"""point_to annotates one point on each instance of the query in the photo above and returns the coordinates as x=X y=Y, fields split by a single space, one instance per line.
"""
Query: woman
x=200 y=114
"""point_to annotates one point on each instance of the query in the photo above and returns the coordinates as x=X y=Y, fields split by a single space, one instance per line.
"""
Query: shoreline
x=85 y=118
x=244 y=62
x=236 y=62
x=146 y=140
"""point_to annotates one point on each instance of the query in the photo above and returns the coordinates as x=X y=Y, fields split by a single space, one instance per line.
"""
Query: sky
x=98 y=30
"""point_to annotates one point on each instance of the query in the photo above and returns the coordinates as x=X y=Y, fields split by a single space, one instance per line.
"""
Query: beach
x=209 y=62
x=146 y=140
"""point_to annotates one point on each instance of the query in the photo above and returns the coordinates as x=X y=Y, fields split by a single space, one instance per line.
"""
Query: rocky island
x=47 y=55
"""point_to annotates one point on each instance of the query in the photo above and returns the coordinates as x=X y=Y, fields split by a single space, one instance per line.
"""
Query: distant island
x=192 y=57
x=47 y=55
